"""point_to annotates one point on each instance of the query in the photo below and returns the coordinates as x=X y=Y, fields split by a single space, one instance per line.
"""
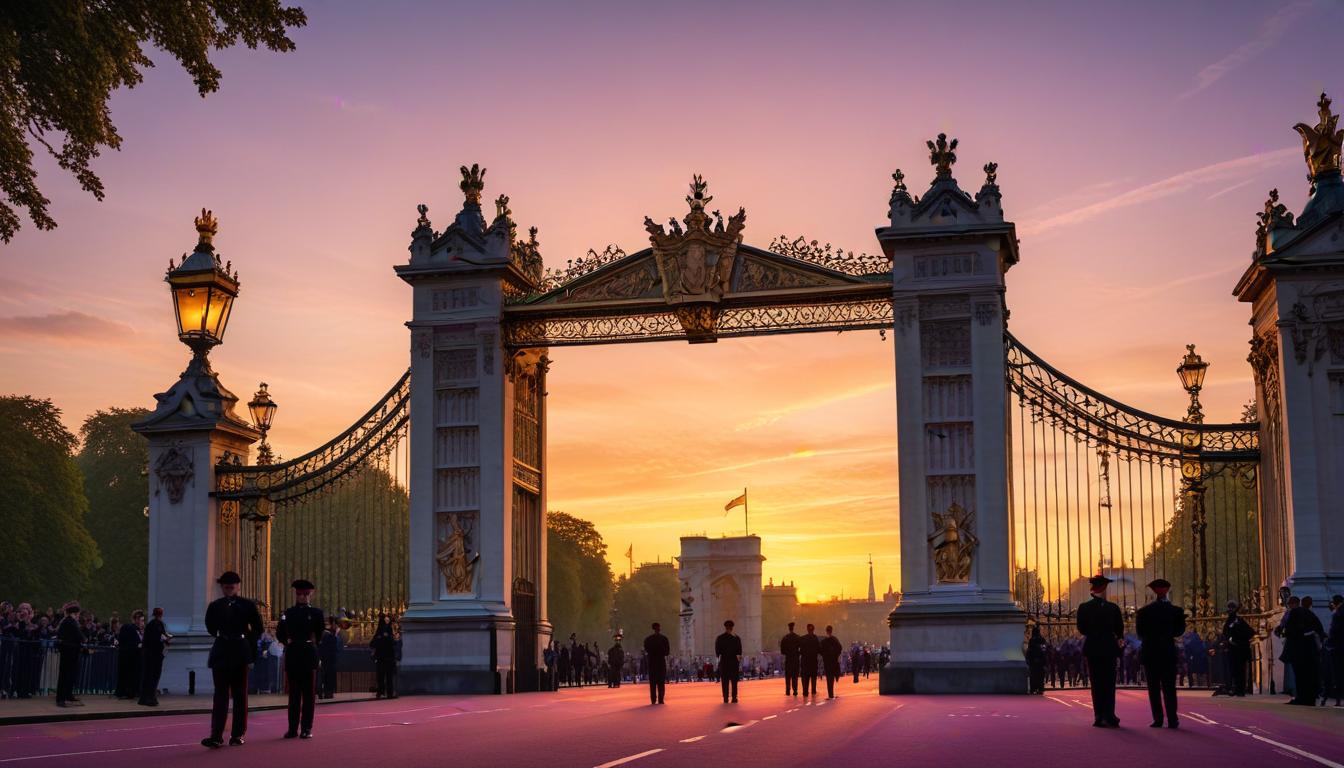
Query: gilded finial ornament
x=991 y=173
x=899 y=178
x=942 y=155
x=1321 y=144
x=698 y=199
x=423 y=210
x=502 y=207
x=207 y=226
x=473 y=183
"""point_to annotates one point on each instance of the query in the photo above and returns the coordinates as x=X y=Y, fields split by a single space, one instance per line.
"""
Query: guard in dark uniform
x=789 y=647
x=831 y=650
x=728 y=647
x=1159 y=625
x=615 y=664
x=236 y=625
x=656 y=650
x=151 y=664
x=300 y=630
x=329 y=654
x=1103 y=630
x=70 y=642
x=809 y=648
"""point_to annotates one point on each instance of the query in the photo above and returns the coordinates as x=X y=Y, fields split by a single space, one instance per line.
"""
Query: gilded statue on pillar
x=953 y=545
x=1321 y=144
x=455 y=562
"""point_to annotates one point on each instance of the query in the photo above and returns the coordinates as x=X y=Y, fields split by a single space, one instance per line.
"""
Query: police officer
x=236 y=625
x=70 y=641
x=789 y=647
x=728 y=647
x=1158 y=624
x=615 y=663
x=1103 y=630
x=809 y=648
x=300 y=630
x=831 y=650
x=656 y=650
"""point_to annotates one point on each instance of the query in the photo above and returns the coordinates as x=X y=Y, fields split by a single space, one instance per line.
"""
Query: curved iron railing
x=375 y=433
x=1086 y=413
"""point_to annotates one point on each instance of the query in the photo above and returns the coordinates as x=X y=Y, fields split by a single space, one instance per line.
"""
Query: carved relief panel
x=945 y=344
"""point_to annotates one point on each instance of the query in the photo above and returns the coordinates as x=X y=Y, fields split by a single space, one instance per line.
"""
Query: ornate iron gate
x=1100 y=486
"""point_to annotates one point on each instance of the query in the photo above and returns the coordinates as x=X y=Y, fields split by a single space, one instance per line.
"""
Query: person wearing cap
x=1308 y=634
x=299 y=631
x=809 y=650
x=1334 y=643
x=1158 y=624
x=151 y=664
x=70 y=641
x=656 y=650
x=1237 y=636
x=1103 y=630
x=329 y=654
x=615 y=663
x=728 y=647
x=236 y=625
x=831 y=651
x=789 y=648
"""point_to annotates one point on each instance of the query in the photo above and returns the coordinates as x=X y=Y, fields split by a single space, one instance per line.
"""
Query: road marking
x=1061 y=701
x=692 y=740
x=732 y=727
x=631 y=758
x=1198 y=718
x=403 y=711
x=769 y=717
x=92 y=752
x=450 y=714
x=1296 y=751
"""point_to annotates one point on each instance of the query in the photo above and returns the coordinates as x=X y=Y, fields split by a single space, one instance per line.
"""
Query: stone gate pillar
x=1295 y=286
x=956 y=629
x=193 y=428
x=475 y=621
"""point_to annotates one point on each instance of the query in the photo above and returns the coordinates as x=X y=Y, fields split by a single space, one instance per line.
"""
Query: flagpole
x=746 y=511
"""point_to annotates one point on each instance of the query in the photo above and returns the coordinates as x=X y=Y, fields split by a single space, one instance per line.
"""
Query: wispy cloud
x=1270 y=32
x=766 y=418
x=1152 y=289
x=66 y=326
x=805 y=453
x=1225 y=190
x=1167 y=187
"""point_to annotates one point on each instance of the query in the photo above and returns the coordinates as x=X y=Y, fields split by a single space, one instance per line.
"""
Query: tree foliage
x=578 y=578
x=114 y=461
x=60 y=60
x=46 y=554
x=651 y=594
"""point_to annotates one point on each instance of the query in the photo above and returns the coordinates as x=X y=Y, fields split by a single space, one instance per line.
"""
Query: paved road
x=599 y=727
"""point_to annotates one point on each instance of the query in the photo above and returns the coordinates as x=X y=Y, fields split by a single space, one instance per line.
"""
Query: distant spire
x=872 y=588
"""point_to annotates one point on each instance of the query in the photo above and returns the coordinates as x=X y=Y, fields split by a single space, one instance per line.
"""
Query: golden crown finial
x=1321 y=143
x=942 y=155
x=473 y=183
x=207 y=226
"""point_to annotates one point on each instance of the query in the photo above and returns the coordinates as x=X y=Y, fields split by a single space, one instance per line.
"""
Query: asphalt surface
x=601 y=727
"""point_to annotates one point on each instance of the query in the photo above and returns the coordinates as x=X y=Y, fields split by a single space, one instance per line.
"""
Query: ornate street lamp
x=263 y=410
x=203 y=291
x=1192 y=370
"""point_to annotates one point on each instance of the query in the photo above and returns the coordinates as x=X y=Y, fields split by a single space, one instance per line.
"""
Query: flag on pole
x=739 y=501
x=630 y=552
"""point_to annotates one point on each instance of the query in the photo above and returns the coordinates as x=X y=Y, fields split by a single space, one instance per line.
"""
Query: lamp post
x=263 y=410
x=1191 y=371
x=203 y=293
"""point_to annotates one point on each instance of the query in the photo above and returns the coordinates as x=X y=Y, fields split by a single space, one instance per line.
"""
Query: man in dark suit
x=728 y=647
x=615 y=663
x=1308 y=634
x=236 y=625
x=151 y=663
x=788 y=646
x=300 y=630
x=1237 y=637
x=831 y=650
x=1103 y=630
x=1159 y=624
x=656 y=650
x=130 y=638
x=70 y=642
x=809 y=648
x=329 y=653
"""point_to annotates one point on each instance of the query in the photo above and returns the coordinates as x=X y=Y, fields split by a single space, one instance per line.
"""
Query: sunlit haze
x=1135 y=143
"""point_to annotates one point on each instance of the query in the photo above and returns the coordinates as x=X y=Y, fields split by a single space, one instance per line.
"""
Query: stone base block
x=969 y=648
x=456 y=655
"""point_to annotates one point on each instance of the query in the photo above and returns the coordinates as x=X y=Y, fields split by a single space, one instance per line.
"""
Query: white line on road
x=739 y=726
x=1198 y=718
x=91 y=752
x=1296 y=751
x=692 y=740
x=769 y=717
x=1061 y=701
x=631 y=758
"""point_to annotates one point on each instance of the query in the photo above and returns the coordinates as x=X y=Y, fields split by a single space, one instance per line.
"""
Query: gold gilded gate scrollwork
x=953 y=545
x=696 y=264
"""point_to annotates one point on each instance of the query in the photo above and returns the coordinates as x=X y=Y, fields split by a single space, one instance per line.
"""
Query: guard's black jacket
x=656 y=650
x=809 y=647
x=155 y=634
x=1158 y=624
x=728 y=647
x=300 y=630
x=790 y=648
x=236 y=625
x=69 y=638
x=1102 y=627
x=831 y=649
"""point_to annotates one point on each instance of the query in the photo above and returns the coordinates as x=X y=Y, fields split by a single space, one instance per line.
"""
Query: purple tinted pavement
x=600 y=727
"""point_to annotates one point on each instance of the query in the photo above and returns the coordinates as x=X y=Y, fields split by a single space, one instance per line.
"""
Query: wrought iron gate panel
x=338 y=515
x=1098 y=485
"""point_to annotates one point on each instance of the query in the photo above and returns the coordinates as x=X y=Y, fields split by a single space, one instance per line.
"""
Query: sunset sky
x=1135 y=143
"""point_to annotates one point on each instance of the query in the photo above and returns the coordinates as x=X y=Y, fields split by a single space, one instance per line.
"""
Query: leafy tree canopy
x=651 y=594
x=114 y=461
x=60 y=60
x=579 y=581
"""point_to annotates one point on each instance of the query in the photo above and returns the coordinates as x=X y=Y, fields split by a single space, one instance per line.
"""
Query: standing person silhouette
x=728 y=647
x=789 y=647
x=1103 y=630
x=809 y=650
x=656 y=650
x=831 y=651
x=1159 y=624
x=236 y=625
